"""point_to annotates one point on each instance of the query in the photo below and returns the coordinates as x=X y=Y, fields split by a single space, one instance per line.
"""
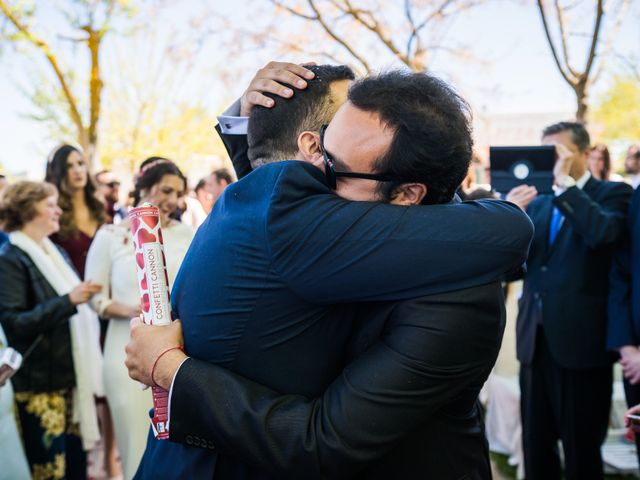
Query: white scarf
x=85 y=334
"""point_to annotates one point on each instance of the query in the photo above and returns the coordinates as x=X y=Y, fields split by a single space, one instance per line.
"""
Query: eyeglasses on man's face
x=331 y=174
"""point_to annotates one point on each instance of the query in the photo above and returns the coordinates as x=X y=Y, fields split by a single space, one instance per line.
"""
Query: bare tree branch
x=376 y=29
x=317 y=17
x=408 y=13
x=53 y=61
x=563 y=38
x=552 y=46
x=594 y=40
x=631 y=65
x=438 y=13
x=293 y=11
x=95 y=83
x=606 y=51
x=107 y=18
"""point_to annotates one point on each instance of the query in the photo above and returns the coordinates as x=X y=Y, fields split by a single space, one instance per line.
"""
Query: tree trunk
x=581 y=101
x=95 y=91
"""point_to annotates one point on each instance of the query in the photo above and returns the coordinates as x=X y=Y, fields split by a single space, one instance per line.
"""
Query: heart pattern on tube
x=145 y=302
x=145 y=236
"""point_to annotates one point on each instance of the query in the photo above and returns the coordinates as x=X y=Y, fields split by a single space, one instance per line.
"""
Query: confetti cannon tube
x=153 y=281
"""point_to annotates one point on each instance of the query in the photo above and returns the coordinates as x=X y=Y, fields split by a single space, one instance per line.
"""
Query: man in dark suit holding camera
x=566 y=371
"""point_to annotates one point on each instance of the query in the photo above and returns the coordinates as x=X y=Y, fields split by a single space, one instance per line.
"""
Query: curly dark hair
x=432 y=142
x=18 y=203
x=57 y=169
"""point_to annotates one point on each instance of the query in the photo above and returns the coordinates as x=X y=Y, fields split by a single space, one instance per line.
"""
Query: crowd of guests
x=68 y=272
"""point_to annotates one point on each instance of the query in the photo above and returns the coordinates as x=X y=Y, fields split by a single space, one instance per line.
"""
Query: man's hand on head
x=274 y=78
x=146 y=344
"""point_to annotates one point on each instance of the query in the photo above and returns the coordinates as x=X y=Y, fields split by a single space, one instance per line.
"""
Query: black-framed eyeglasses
x=330 y=170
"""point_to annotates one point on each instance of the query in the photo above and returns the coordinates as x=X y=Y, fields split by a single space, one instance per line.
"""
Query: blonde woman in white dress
x=111 y=262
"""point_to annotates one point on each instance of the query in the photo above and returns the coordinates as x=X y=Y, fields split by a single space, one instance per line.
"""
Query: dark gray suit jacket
x=405 y=407
x=566 y=285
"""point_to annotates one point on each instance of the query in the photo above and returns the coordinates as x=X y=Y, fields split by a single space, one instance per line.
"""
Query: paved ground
x=96 y=465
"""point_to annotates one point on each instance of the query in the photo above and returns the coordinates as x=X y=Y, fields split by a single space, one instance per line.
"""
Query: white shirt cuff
x=171 y=391
x=231 y=123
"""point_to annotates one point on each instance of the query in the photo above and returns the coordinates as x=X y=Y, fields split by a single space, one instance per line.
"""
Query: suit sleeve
x=16 y=316
x=396 y=385
x=237 y=149
x=620 y=331
x=328 y=250
x=601 y=223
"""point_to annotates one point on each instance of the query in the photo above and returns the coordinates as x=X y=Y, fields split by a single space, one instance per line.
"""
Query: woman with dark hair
x=43 y=313
x=600 y=162
x=82 y=211
x=82 y=214
x=111 y=261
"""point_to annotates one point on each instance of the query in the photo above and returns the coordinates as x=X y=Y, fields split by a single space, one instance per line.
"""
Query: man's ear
x=309 y=146
x=409 y=194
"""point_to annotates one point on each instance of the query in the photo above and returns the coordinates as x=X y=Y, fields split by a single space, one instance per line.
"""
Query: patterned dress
x=45 y=417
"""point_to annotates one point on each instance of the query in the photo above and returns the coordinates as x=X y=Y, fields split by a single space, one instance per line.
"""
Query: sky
x=510 y=71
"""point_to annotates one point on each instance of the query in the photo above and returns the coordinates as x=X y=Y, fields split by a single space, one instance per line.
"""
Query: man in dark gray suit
x=566 y=371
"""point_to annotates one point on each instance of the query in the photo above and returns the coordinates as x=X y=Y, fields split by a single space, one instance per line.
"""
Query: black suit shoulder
x=419 y=381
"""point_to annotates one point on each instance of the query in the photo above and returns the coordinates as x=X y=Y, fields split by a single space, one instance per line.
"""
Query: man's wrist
x=167 y=367
x=565 y=181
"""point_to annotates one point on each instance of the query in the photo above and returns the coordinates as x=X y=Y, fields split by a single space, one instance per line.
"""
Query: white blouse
x=111 y=262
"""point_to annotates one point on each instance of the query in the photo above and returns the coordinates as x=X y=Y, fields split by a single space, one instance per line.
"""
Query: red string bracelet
x=153 y=369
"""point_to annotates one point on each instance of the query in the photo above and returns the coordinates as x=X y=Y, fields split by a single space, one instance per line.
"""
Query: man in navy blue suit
x=624 y=308
x=264 y=288
x=565 y=369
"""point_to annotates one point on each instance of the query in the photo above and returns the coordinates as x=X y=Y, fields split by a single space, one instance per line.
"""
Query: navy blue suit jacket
x=624 y=297
x=566 y=285
x=265 y=288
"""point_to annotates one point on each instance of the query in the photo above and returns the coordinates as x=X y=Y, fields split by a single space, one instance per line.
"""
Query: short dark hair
x=200 y=185
x=152 y=173
x=432 y=141
x=273 y=132
x=223 y=174
x=579 y=135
